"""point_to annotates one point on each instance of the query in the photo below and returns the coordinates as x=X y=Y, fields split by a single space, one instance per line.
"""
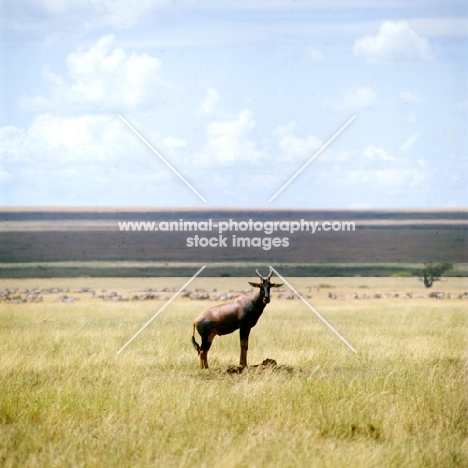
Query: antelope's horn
x=271 y=273
x=258 y=274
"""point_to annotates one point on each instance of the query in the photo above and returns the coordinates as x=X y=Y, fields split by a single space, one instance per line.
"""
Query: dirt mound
x=231 y=370
x=266 y=364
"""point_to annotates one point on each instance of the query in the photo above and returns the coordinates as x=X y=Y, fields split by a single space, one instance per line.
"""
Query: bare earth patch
x=267 y=364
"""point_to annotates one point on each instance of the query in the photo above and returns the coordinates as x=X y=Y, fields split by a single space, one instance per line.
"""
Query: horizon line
x=76 y=208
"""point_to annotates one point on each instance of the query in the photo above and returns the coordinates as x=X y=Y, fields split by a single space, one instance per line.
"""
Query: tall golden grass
x=67 y=398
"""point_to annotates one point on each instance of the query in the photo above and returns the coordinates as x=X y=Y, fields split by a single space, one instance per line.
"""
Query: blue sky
x=237 y=96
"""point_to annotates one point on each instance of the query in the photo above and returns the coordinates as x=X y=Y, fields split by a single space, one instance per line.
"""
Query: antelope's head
x=265 y=285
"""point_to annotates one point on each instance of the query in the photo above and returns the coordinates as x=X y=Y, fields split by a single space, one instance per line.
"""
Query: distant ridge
x=29 y=235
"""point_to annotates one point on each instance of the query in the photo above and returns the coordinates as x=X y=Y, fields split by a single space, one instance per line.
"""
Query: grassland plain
x=67 y=398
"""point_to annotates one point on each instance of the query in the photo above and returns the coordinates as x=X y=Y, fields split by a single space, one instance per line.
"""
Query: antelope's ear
x=276 y=285
x=255 y=285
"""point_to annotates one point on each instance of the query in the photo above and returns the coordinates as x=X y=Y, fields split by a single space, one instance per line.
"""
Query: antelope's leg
x=244 y=346
x=243 y=354
x=205 y=347
x=203 y=359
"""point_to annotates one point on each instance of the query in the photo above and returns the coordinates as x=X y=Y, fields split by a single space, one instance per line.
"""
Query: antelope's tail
x=195 y=344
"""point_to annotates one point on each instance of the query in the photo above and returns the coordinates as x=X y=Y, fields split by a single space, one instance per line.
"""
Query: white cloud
x=209 y=102
x=395 y=42
x=79 y=160
x=355 y=98
x=408 y=144
x=376 y=153
x=228 y=141
x=410 y=98
x=174 y=143
x=385 y=179
x=315 y=54
x=379 y=173
x=103 y=76
x=54 y=140
x=294 y=147
x=96 y=141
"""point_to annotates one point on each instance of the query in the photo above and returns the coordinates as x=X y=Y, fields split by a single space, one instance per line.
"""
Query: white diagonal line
x=314 y=311
x=161 y=309
x=162 y=158
x=312 y=158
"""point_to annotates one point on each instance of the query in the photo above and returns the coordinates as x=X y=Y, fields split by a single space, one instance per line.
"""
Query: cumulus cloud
x=384 y=178
x=54 y=140
x=209 y=102
x=174 y=143
x=99 y=140
x=294 y=147
x=103 y=76
x=228 y=141
x=395 y=42
x=376 y=153
x=354 y=98
x=408 y=144
x=410 y=98
x=315 y=55
x=378 y=172
x=80 y=159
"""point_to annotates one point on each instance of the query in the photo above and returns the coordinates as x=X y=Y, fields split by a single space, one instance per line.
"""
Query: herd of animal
x=66 y=295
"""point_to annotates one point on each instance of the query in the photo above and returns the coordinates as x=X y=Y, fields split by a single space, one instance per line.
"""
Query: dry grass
x=67 y=399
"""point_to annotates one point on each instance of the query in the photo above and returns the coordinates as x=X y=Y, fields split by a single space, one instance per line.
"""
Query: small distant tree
x=431 y=272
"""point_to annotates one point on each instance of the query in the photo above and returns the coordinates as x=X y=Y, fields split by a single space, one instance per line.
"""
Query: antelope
x=241 y=313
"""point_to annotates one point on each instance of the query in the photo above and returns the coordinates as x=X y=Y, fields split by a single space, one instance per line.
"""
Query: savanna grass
x=67 y=398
